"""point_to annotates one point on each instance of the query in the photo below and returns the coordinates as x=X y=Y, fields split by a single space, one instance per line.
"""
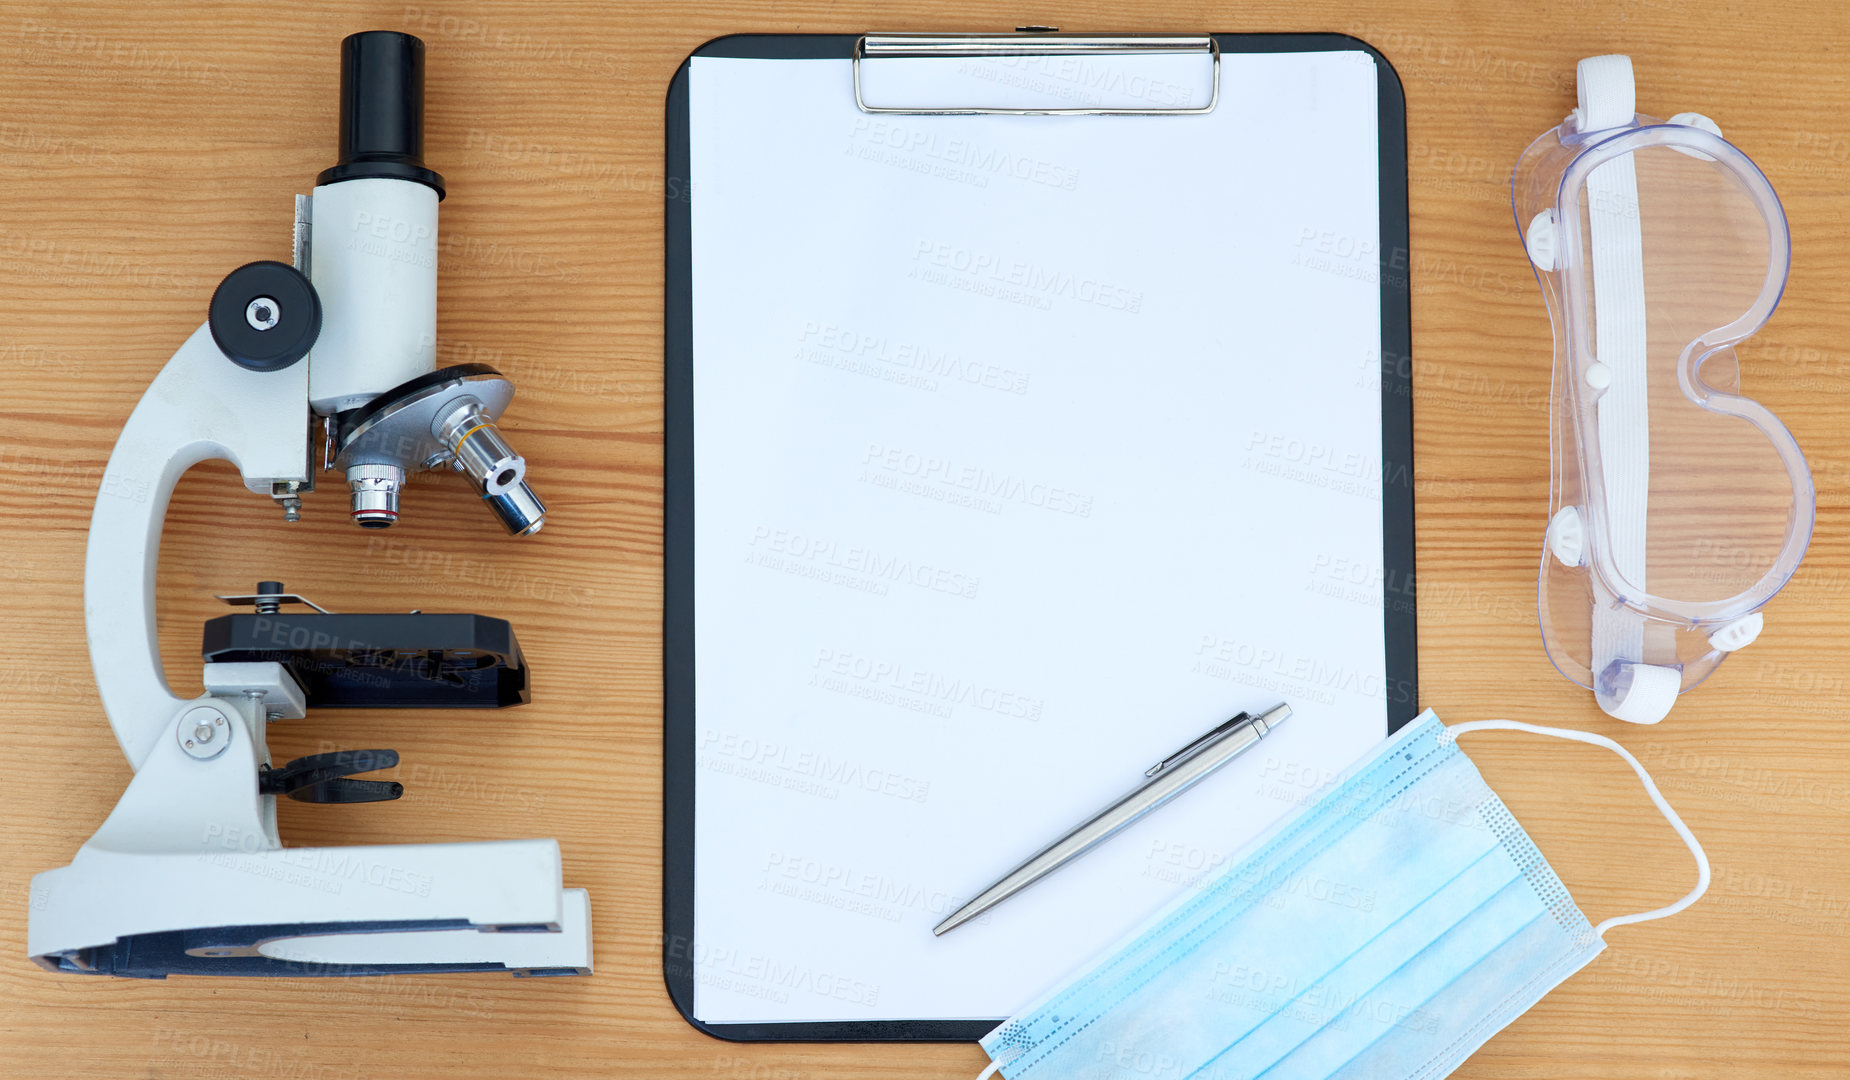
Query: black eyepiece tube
x=382 y=110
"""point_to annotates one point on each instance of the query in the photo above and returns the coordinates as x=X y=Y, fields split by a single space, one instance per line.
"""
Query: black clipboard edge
x=1399 y=566
x=678 y=717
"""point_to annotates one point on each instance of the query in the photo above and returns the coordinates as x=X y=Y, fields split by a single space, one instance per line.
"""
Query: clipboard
x=764 y=760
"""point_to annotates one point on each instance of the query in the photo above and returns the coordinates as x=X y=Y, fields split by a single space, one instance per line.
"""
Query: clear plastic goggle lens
x=1660 y=248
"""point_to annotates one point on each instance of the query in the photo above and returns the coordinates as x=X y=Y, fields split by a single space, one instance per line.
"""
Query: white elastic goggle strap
x=1650 y=788
x=1605 y=88
x=1608 y=100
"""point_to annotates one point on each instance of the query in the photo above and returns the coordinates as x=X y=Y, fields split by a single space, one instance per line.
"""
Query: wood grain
x=145 y=149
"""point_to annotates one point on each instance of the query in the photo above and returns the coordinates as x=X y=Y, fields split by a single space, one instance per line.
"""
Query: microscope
x=188 y=874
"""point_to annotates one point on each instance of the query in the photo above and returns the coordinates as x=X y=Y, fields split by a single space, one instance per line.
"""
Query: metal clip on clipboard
x=1035 y=45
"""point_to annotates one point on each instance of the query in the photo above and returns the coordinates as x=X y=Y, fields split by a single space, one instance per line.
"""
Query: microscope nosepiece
x=443 y=420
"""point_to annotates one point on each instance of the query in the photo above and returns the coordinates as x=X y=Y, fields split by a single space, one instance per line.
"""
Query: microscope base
x=403 y=908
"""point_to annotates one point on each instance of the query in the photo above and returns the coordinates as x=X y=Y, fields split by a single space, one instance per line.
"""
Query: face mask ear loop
x=1650 y=787
x=995 y=1067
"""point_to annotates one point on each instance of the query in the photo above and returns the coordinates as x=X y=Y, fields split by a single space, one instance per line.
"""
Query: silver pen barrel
x=1169 y=780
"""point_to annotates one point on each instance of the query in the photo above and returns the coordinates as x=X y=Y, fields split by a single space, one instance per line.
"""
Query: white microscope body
x=188 y=874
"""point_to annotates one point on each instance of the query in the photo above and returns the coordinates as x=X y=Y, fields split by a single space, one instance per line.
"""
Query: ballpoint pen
x=1163 y=781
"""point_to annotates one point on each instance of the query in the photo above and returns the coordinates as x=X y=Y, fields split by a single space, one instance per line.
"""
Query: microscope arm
x=201 y=406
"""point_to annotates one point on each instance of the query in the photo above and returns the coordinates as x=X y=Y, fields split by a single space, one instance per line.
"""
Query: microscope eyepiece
x=382 y=110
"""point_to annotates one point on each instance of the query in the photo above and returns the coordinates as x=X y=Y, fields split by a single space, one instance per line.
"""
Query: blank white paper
x=1026 y=450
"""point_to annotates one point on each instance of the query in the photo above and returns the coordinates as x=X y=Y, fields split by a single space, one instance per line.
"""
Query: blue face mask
x=1387 y=930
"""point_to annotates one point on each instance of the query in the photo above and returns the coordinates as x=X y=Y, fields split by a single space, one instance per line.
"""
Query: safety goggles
x=1678 y=506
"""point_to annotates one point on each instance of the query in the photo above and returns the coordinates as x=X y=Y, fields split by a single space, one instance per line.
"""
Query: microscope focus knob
x=265 y=316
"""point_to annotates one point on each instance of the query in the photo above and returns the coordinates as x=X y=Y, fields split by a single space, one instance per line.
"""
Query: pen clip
x=1192 y=748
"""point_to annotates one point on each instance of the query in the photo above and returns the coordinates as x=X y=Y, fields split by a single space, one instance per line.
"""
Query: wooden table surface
x=147 y=149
